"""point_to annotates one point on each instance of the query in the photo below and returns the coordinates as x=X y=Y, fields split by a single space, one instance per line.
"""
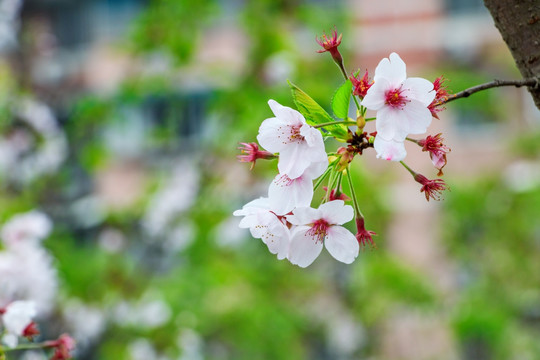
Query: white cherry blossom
x=265 y=225
x=285 y=193
x=32 y=226
x=298 y=144
x=17 y=317
x=318 y=226
x=401 y=104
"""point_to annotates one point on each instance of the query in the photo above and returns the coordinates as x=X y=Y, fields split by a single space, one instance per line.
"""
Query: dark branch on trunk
x=532 y=83
x=518 y=22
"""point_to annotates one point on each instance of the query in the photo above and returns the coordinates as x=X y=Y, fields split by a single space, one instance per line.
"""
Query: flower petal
x=304 y=249
x=419 y=89
x=418 y=117
x=286 y=114
x=392 y=69
x=336 y=212
x=316 y=169
x=272 y=134
x=341 y=244
x=389 y=123
x=376 y=95
x=304 y=216
x=391 y=150
x=293 y=160
x=286 y=194
x=277 y=238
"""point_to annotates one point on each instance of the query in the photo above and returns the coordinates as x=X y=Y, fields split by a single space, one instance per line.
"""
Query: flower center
x=319 y=229
x=284 y=181
x=395 y=99
x=295 y=134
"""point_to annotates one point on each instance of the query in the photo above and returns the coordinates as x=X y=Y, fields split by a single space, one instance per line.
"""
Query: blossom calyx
x=361 y=85
x=441 y=95
x=431 y=188
x=346 y=156
x=64 y=345
x=330 y=44
x=251 y=153
x=437 y=150
x=364 y=236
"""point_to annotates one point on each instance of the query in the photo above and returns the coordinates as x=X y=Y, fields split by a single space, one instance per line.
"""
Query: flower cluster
x=285 y=220
x=28 y=282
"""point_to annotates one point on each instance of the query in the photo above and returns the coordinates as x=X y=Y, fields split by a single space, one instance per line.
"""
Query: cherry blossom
x=401 y=104
x=389 y=149
x=285 y=193
x=17 y=317
x=32 y=227
x=266 y=225
x=298 y=144
x=316 y=227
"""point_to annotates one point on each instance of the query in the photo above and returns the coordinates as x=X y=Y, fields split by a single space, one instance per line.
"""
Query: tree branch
x=533 y=83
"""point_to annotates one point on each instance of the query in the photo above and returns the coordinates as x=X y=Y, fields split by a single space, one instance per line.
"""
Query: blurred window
x=463 y=7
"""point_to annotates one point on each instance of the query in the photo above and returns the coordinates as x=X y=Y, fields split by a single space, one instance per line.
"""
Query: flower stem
x=353 y=194
x=413 y=173
x=31 y=346
x=321 y=178
x=346 y=122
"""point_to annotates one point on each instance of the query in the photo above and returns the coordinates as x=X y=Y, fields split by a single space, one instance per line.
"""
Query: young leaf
x=341 y=99
x=315 y=114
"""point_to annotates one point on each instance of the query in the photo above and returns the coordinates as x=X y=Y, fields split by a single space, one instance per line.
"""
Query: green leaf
x=341 y=100
x=315 y=114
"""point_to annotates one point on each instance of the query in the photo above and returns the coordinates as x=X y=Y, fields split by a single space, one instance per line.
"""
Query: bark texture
x=518 y=22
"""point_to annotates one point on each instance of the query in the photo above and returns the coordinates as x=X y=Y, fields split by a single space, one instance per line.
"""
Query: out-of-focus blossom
x=298 y=144
x=63 y=347
x=85 y=323
x=191 y=345
x=30 y=227
x=177 y=194
x=148 y=313
x=316 y=227
x=17 y=317
x=26 y=272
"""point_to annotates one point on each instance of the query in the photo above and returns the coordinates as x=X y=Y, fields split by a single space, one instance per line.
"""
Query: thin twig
x=530 y=82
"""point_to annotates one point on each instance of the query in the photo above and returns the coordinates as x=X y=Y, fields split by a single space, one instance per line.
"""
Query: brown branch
x=530 y=82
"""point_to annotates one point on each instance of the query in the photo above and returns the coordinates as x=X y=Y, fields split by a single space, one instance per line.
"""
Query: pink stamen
x=395 y=99
x=319 y=229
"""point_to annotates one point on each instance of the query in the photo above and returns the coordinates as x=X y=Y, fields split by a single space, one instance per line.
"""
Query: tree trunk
x=518 y=22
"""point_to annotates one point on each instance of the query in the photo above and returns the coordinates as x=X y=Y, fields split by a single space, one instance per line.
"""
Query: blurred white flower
x=180 y=237
x=112 y=240
x=191 y=345
x=176 y=196
x=16 y=317
x=147 y=313
x=85 y=323
x=142 y=349
x=522 y=176
x=32 y=226
x=26 y=272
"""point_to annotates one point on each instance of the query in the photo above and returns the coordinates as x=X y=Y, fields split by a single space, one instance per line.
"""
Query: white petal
x=304 y=216
x=389 y=123
x=293 y=160
x=312 y=136
x=286 y=194
x=341 y=244
x=336 y=212
x=10 y=340
x=376 y=95
x=277 y=238
x=389 y=149
x=304 y=249
x=286 y=114
x=316 y=169
x=273 y=134
x=419 y=89
x=393 y=70
x=18 y=316
x=253 y=207
x=418 y=117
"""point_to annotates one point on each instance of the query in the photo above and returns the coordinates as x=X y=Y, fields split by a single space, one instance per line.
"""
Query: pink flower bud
x=64 y=345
